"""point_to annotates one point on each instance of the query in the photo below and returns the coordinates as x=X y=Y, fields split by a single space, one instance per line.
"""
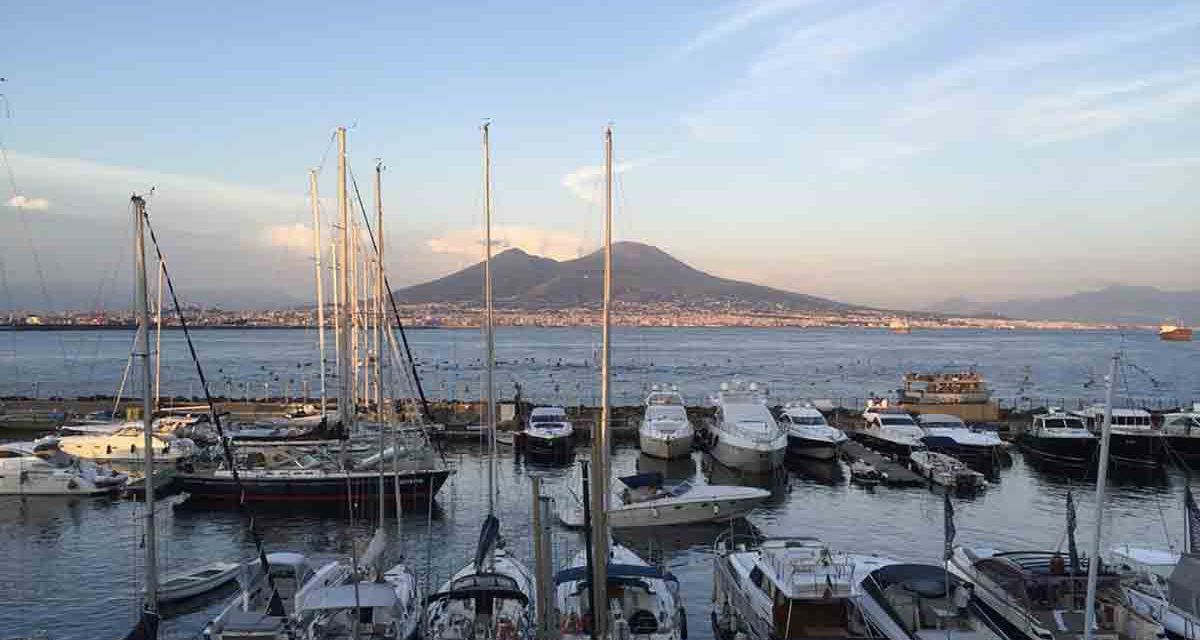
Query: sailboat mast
x=600 y=483
x=377 y=312
x=1101 y=487
x=345 y=374
x=489 y=326
x=316 y=238
x=143 y=349
x=158 y=334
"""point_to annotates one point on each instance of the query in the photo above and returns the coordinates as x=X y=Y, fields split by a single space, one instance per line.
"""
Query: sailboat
x=289 y=474
x=492 y=596
x=637 y=599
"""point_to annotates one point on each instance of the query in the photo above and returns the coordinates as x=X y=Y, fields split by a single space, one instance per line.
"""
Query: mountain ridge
x=1113 y=304
x=642 y=274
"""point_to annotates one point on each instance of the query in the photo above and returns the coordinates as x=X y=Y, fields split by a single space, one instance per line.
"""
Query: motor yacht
x=809 y=435
x=921 y=602
x=1162 y=584
x=1037 y=594
x=891 y=430
x=948 y=434
x=548 y=433
x=644 y=601
x=41 y=468
x=1133 y=441
x=788 y=588
x=643 y=500
x=124 y=443
x=1182 y=433
x=665 y=431
x=744 y=435
x=1061 y=439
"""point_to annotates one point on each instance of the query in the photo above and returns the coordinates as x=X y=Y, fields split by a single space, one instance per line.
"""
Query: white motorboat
x=197 y=581
x=948 y=434
x=548 y=433
x=1059 y=439
x=891 y=430
x=788 y=588
x=744 y=434
x=643 y=500
x=864 y=473
x=924 y=602
x=644 y=602
x=41 y=468
x=1036 y=594
x=260 y=613
x=946 y=471
x=809 y=435
x=125 y=443
x=665 y=431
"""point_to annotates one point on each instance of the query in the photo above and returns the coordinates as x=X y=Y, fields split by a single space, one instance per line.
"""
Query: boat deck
x=894 y=473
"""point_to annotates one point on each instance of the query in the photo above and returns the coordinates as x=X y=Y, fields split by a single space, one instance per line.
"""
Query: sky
x=883 y=152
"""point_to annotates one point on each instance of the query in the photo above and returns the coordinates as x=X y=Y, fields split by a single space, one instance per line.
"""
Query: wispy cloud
x=1098 y=109
x=584 y=182
x=1167 y=163
x=745 y=16
x=832 y=44
x=28 y=204
x=559 y=245
x=880 y=153
x=1004 y=61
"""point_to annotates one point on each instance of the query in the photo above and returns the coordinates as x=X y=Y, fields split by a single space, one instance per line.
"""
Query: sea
x=72 y=568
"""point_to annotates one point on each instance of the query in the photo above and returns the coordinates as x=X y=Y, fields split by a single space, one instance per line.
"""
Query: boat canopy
x=617 y=574
x=492 y=585
x=637 y=481
x=927 y=581
x=350 y=596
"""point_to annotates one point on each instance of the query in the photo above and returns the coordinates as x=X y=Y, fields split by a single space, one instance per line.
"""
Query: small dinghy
x=864 y=473
x=197 y=581
x=946 y=471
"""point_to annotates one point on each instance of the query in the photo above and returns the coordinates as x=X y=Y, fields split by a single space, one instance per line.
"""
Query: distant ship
x=1175 y=333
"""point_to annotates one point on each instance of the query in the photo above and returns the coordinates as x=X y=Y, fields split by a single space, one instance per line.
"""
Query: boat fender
x=71 y=484
x=716 y=510
x=654 y=511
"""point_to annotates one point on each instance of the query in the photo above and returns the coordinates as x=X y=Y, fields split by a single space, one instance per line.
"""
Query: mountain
x=1118 y=304
x=642 y=274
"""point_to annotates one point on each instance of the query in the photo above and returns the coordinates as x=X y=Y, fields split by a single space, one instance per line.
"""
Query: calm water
x=559 y=365
x=73 y=568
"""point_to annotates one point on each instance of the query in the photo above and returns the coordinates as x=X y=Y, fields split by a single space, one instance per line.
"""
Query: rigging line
x=214 y=415
x=396 y=314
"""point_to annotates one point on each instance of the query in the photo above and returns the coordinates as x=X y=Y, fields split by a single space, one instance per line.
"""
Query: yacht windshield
x=890 y=420
x=808 y=420
x=546 y=418
x=1063 y=423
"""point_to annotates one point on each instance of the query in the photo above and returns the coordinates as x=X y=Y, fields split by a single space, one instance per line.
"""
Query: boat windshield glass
x=1063 y=423
x=547 y=418
x=896 y=419
x=807 y=420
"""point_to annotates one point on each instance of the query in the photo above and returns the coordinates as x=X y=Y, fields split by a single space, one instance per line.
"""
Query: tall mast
x=489 y=327
x=600 y=483
x=158 y=334
x=337 y=304
x=378 y=313
x=1101 y=486
x=345 y=373
x=143 y=349
x=352 y=271
x=316 y=238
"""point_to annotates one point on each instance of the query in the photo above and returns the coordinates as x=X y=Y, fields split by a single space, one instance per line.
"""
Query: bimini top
x=617 y=574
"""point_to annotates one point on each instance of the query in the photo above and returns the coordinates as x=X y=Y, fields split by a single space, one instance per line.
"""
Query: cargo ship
x=1175 y=333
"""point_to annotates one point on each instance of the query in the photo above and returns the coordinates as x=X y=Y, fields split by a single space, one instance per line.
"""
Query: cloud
x=585 y=182
x=1167 y=163
x=28 y=204
x=293 y=237
x=833 y=43
x=558 y=245
x=747 y=15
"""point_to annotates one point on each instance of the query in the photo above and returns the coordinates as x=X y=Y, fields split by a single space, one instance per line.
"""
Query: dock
x=894 y=473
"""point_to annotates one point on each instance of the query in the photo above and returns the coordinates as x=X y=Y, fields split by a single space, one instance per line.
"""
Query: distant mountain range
x=1119 y=304
x=642 y=274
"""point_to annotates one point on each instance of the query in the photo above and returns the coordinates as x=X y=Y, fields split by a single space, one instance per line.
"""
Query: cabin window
x=9 y=454
x=757 y=577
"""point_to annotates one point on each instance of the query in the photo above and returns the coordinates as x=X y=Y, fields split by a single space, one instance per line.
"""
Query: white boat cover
x=370 y=595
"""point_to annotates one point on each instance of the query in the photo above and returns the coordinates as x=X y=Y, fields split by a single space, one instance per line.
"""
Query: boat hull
x=1179 y=334
x=665 y=448
x=1141 y=450
x=892 y=447
x=715 y=510
x=1184 y=449
x=416 y=487
x=812 y=449
x=556 y=448
x=746 y=459
x=1077 y=453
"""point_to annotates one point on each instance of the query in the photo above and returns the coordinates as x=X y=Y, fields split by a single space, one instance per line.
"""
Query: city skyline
x=893 y=153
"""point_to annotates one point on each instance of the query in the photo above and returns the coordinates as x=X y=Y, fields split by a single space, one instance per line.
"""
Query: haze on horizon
x=891 y=153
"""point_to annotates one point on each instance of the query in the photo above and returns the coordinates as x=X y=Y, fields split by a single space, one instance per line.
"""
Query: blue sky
x=883 y=151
